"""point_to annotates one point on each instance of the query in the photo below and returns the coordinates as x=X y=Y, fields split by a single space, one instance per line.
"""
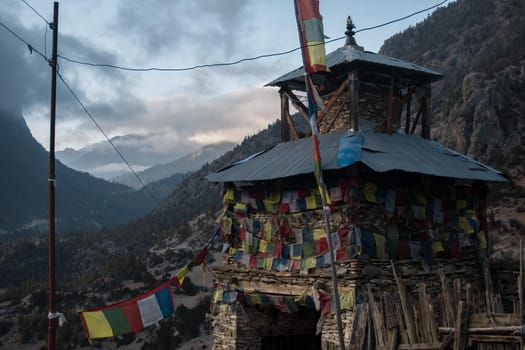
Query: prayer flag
x=310 y=24
x=129 y=316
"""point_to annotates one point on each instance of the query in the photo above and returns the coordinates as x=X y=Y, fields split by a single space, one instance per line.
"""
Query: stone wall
x=354 y=275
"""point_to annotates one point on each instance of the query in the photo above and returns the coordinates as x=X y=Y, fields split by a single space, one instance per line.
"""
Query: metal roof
x=380 y=152
x=350 y=54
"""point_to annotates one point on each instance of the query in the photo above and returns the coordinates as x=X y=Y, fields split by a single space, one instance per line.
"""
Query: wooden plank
x=448 y=306
x=460 y=336
x=481 y=320
x=489 y=338
x=423 y=346
x=377 y=318
x=354 y=100
x=502 y=329
x=404 y=306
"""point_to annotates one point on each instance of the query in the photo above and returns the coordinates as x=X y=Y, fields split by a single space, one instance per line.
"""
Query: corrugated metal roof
x=380 y=152
x=350 y=54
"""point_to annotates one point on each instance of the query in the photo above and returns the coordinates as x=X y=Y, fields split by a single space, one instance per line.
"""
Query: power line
x=29 y=46
x=107 y=138
x=87 y=112
x=225 y=64
x=37 y=13
x=402 y=18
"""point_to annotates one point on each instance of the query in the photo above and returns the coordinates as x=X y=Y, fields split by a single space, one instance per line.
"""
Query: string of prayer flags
x=129 y=316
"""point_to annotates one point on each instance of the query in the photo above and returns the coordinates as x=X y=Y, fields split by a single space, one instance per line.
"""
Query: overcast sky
x=181 y=110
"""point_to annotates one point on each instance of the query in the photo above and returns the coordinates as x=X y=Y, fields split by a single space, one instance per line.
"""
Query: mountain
x=479 y=107
x=182 y=165
x=141 y=151
x=83 y=202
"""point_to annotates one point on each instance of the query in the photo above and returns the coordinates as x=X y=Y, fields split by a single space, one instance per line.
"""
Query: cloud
x=200 y=29
x=223 y=118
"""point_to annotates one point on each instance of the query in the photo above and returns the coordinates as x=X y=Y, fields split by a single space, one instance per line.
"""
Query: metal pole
x=52 y=320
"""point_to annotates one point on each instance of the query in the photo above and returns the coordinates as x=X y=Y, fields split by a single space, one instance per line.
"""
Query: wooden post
x=407 y=121
x=354 y=100
x=521 y=297
x=461 y=329
x=404 y=306
x=418 y=115
x=425 y=121
x=390 y=106
x=52 y=314
x=285 y=128
x=287 y=125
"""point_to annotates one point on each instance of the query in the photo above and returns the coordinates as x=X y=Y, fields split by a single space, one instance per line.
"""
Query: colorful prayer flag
x=129 y=316
x=310 y=24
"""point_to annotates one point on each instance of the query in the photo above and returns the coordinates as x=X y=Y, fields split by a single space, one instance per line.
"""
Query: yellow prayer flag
x=229 y=195
x=311 y=203
x=263 y=246
x=380 y=241
x=310 y=263
x=239 y=207
x=267 y=231
x=464 y=225
x=181 y=275
x=319 y=233
x=274 y=197
x=347 y=300
x=482 y=239
x=97 y=324
x=217 y=296
x=268 y=264
x=227 y=224
x=437 y=247
x=269 y=206
x=461 y=204
x=421 y=199
x=370 y=192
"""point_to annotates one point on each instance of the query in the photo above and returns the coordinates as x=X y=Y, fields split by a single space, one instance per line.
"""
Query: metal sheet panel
x=350 y=54
x=381 y=153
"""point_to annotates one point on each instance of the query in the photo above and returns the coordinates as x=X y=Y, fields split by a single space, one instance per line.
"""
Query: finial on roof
x=350 y=40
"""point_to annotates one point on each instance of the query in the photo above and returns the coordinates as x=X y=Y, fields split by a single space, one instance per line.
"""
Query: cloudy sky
x=180 y=110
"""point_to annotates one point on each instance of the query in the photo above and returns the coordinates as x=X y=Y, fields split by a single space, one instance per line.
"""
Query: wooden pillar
x=353 y=77
x=407 y=121
x=390 y=106
x=285 y=114
x=426 y=117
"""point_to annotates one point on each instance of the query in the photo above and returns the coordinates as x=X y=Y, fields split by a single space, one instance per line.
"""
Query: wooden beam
x=407 y=121
x=333 y=99
x=354 y=100
x=336 y=116
x=404 y=306
x=487 y=338
x=390 y=106
x=297 y=103
x=425 y=121
x=418 y=115
x=424 y=346
x=285 y=114
x=461 y=330
x=287 y=125
x=495 y=329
